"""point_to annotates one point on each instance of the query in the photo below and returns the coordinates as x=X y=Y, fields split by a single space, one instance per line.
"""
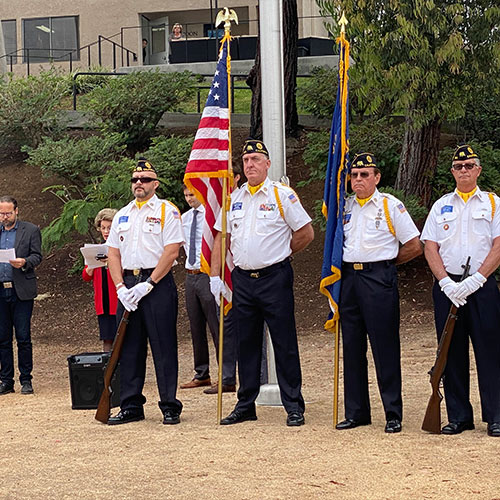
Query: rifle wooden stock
x=104 y=407
x=432 y=419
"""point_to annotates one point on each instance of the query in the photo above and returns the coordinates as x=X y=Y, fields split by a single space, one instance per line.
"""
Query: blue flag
x=335 y=187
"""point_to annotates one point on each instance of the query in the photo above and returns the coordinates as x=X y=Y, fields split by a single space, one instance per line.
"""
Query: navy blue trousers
x=369 y=306
x=155 y=319
x=15 y=315
x=479 y=319
x=269 y=299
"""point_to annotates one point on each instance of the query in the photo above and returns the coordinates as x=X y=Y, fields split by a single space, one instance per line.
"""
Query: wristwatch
x=150 y=281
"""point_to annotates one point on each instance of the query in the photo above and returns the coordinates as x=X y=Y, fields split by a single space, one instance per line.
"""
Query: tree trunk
x=255 y=83
x=290 y=42
x=418 y=161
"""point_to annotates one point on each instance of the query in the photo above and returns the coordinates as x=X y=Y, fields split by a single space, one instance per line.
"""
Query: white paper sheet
x=90 y=251
x=6 y=255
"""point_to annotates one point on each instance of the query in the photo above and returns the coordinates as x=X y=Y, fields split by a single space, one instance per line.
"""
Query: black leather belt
x=258 y=273
x=136 y=272
x=365 y=266
x=7 y=284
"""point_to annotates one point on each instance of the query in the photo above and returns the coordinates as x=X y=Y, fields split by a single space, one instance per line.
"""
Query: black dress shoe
x=295 y=418
x=494 y=429
x=171 y=417
x=126 y=416
x=27 y=388
x=237 y=416
x=5 y=389
x=457 y=427
x=350 y=423
x=393 y=426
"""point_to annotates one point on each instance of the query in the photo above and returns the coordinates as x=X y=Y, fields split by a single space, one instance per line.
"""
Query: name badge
x=446 y=208
x=123 y=218
x=237 y=206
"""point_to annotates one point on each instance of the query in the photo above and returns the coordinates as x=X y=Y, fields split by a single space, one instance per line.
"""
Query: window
x=10 y=39
x=51 y=38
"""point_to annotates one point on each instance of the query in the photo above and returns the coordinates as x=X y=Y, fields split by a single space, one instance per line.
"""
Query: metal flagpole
x=273 y=128
x=227 y=16
x=336 y=376
x=342 y=22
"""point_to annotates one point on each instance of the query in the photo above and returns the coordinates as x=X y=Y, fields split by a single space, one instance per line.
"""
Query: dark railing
x=199 y=88
x=69 y=54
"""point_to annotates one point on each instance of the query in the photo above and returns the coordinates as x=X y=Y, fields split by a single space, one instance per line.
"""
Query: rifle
x=104 y=407
x=432 y=419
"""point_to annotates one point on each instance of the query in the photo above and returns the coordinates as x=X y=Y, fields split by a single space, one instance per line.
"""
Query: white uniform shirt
x=463 y=229
x=260 y=236
x=137 y=232
x=367 y=237
x=187 y=220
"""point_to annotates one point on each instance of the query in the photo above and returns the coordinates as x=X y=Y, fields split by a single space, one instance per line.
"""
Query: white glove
x=470 y=285
x=123 y=294
x=449 y=288
x=217 y=287
x=139 y=291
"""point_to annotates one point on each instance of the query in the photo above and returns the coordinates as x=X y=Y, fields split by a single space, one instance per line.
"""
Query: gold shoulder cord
x=493 y=204
x=278 y=201
x=388 y=217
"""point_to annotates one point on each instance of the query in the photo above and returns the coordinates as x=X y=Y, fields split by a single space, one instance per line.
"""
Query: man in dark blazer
x=17 y=292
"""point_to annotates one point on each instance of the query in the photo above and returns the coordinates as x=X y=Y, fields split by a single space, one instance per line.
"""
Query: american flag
x=209 y=163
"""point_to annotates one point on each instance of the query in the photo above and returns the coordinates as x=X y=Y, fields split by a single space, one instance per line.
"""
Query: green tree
x=427 y=57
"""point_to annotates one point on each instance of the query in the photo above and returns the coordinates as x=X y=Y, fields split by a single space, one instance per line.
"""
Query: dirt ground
x=51 y=451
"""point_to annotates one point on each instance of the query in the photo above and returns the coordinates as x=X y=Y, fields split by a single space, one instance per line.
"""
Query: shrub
x=112 y=189
x=29 y=108
x=169 y=155
x=76 y=160
x=318 y=94
x=87 y=83
x=134 y=103
x=382 y=137
x=417 y=211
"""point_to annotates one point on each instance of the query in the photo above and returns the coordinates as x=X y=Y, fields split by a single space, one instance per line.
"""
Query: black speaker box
x=86 y=378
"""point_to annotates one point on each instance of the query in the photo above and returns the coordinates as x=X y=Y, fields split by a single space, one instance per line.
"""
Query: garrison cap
x=464 y=152
x=143 y=165
x=364 y=160
x=253 y=146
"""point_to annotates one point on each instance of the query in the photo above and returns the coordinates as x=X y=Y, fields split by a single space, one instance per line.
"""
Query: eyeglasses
x=6 y=214
x=363 y=175
x=144 y=180
x=468 y=166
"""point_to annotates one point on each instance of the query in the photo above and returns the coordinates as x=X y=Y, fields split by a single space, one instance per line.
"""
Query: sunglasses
x=468 y=166
x=144 y=180
x=363 y=175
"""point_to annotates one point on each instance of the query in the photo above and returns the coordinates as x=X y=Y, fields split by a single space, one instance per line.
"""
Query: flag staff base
x=269 y=394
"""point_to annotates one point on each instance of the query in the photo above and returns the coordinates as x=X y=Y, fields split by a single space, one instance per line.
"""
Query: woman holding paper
x=105 y=299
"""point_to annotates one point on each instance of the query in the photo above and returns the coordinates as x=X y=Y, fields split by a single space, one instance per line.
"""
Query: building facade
x=80 y=34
